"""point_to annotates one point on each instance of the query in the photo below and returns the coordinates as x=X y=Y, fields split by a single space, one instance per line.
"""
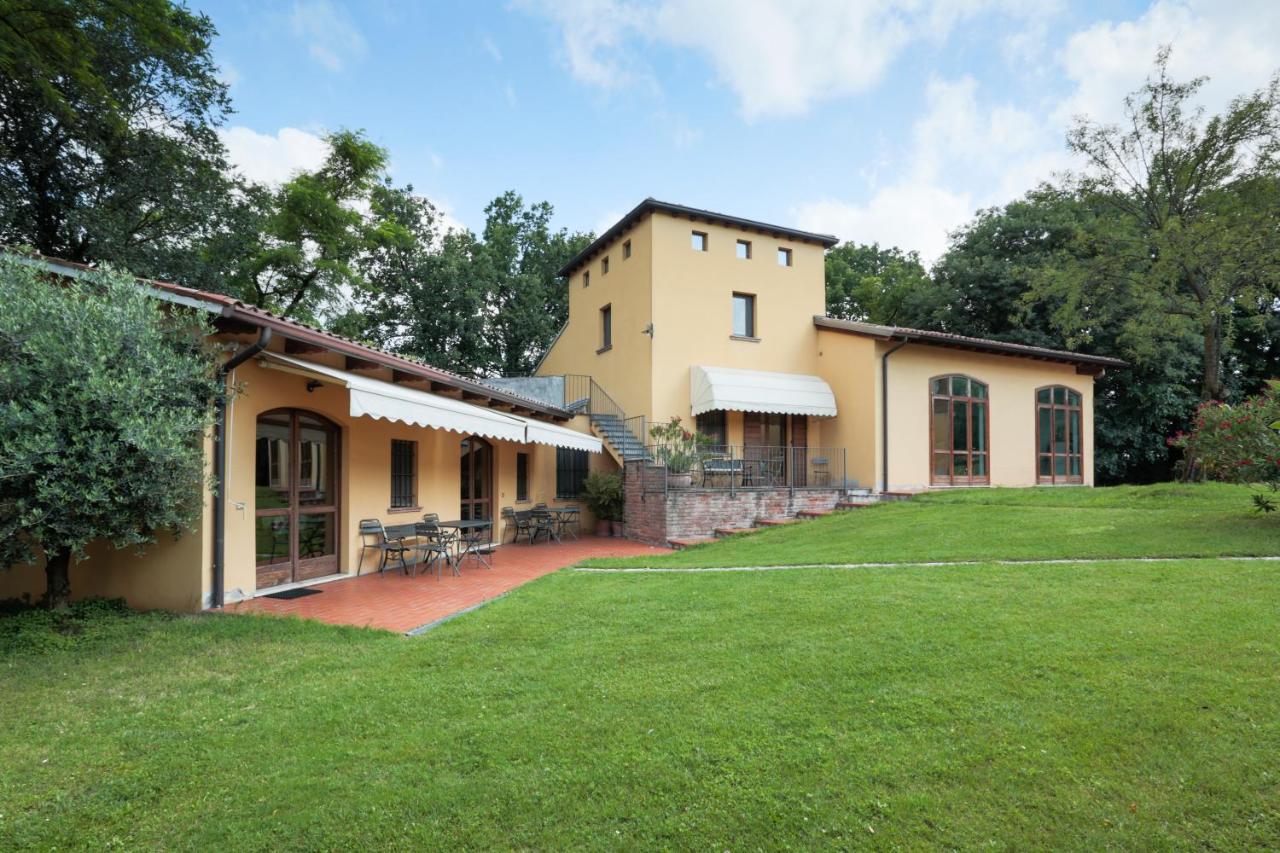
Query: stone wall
x=693 y=513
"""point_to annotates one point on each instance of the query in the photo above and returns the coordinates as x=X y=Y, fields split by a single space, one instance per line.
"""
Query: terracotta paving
x=399 y=603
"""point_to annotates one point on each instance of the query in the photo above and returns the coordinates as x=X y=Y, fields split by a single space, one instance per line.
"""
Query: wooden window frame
x=950 y=478
x=706 y=241
x=785 y=252
x=606 y=328
x=522 y=477
x=412 y=505
x=1053 y=479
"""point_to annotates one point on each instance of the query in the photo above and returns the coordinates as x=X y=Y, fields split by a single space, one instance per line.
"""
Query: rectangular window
x=626 y=249
x=404 y=474
x=586 y=279
x=714 y=426
x=606 y=328
x=744 y=315
x=604 y=265
x=699 y=241
x=522 y=477
x=744 y=250
x=784 y=257
x=571 y=470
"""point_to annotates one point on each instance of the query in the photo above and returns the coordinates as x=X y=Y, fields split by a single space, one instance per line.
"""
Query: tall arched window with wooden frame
x=1059 y=438
x=959 y=432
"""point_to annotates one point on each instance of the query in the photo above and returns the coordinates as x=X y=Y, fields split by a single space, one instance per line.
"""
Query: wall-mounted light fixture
x=647 y=330
x=313 y=384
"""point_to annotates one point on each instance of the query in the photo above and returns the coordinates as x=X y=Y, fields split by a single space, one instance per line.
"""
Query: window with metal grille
x=404 y=468
x=522 y=476
x=571 y=470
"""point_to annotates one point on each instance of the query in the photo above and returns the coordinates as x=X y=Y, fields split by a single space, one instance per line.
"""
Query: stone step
x=897 y=496
x=774 y=522
x=813 y=513
x=731 y=531
x=681 y=544
x=845 y=505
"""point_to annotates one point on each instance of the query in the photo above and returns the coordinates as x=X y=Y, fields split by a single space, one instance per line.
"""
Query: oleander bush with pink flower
x=1237 y=443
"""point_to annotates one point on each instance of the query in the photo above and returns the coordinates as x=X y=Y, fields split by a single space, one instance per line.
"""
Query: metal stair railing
x=583 y=394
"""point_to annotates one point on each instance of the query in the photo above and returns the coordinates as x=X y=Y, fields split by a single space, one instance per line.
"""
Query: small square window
x=744 y=315
x=626 y=250
x=586 y=279
x=784 y=257
x=604 y=266
x=744 y=250
x=699 y=241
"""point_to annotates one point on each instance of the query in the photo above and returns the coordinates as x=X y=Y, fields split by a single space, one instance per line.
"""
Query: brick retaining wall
x=692 y=513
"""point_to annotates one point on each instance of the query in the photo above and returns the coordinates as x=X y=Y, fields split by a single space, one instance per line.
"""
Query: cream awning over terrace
x=734 y=390
x=374 y=398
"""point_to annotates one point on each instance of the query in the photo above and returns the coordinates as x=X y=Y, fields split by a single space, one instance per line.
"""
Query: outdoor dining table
x=469 y=544
x=564 y=517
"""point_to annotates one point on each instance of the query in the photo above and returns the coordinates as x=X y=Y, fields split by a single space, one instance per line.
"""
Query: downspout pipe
x=220 y=465
x=884 y=414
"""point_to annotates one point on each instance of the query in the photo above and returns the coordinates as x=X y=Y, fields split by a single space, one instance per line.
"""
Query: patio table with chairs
x=542 y=521
x=427 y=542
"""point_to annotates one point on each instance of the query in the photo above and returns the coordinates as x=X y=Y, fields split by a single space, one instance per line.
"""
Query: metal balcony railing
x=583 y=394
x=738 y=467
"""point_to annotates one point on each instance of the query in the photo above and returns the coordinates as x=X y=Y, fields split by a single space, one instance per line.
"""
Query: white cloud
x=331 y=36
x=273 y=159
x=1236 y=44
x=491 y=47
x=778 y=57
x=964 y=156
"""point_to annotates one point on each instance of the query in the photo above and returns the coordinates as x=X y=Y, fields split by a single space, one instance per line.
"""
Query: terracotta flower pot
x=619 y=529
x=680 y=481
x=604 y=528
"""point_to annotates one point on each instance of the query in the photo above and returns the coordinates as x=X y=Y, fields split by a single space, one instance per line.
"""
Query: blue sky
x=889 y=121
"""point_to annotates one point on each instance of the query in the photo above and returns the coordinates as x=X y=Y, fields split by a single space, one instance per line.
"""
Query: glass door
x=296 y=497
x=477 y=478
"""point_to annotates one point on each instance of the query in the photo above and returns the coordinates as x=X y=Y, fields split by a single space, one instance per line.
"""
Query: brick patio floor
x=399 y=603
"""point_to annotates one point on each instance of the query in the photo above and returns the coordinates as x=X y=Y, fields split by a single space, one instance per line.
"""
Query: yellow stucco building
x=720 y=321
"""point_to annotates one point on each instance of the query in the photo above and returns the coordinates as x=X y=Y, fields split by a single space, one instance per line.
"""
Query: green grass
x=1168 y=520
x=1064 y=706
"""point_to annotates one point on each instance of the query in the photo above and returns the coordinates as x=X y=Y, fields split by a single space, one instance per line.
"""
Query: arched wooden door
x=476 y=461
x=295 y=497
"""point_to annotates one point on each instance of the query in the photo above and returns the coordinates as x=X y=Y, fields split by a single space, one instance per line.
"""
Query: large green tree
x=108 y=134
x=877 y=285
x=311 y=233
x=1185 y=231
x=105 y=399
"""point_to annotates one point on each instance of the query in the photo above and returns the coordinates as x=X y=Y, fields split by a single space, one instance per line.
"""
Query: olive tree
x=105 y=399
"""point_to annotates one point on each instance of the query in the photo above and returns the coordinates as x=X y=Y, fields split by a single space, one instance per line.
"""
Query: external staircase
x=623 y=437
x=622 y=442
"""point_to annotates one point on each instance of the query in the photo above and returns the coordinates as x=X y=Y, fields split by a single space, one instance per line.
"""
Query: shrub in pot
x=605 y=498
x=678 y=449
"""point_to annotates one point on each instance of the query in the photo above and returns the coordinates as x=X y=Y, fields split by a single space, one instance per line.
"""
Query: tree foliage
x=108 y=141
x=1237 y=443
x=1186 y=226
x=104 y=404
x=478 y=305
x=313 y=231
x=877 y=285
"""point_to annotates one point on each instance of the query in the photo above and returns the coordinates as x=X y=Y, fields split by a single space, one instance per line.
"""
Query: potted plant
x=605 y=498
x=678 y=449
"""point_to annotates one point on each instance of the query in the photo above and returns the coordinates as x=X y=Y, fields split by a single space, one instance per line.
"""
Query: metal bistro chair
x=374 y=537
x=720 y=466
x=448 y=537
x=544 y=523
x=524 y=525
x=432 y=548
x=512 y=520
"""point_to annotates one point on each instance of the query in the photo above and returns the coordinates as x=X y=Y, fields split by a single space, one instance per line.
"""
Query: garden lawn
x=1167 y=520
x=1129 y=705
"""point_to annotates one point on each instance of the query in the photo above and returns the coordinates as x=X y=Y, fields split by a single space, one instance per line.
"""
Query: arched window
x=1059 y=421
x=958 y=432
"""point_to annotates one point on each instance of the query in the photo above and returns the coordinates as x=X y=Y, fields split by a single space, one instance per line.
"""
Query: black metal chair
x=432 y=548
x=474 y=542
x=524 y=525
x=374 y=537
x=449 y=537
x=544 y=523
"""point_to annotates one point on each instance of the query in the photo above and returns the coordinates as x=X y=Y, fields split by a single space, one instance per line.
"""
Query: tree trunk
x=57 y=575
x=1211 y=376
